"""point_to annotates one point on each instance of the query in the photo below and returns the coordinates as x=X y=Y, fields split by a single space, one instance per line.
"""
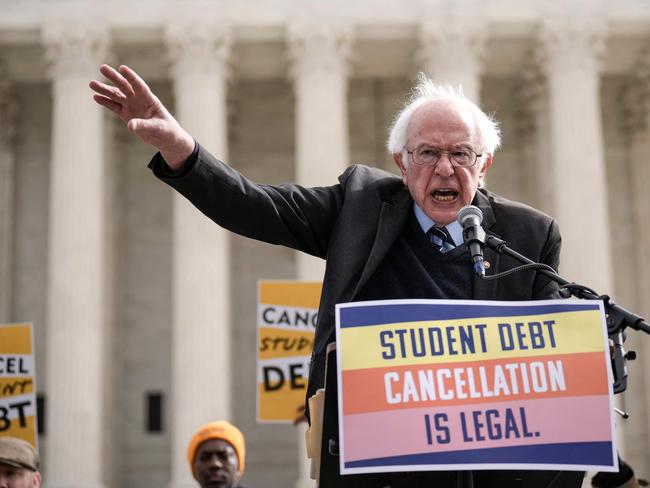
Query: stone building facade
x=138 y=301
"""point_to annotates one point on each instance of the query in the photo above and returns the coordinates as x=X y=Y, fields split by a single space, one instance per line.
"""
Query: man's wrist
x=176 y=158
x=185 y=166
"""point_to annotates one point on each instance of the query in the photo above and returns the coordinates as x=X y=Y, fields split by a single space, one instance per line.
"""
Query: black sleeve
x=290 y=215
x=186 y=167
x=543 y=287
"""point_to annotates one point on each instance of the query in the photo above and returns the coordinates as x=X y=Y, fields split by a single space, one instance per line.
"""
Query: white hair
x=426 y=91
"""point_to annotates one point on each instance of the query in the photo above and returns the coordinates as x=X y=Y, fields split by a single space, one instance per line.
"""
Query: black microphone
x=470 y=218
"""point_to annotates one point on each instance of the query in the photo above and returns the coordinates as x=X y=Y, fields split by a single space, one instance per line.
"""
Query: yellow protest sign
x=286 y=316
x=17 y=382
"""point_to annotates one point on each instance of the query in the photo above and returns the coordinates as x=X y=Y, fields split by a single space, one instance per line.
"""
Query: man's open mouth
x=216 y=479
x=217 y=482
x=444 y=194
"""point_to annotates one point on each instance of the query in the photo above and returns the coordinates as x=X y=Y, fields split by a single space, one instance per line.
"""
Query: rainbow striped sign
x=429 y=385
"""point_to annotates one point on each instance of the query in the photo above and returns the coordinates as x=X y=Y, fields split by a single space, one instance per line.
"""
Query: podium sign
x=286 y=318
x=434 y=385
x=17 y=382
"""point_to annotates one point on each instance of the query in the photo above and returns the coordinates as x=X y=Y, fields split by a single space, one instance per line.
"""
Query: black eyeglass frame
x=440 y=153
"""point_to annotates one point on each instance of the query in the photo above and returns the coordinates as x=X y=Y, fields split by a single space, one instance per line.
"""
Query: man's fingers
x=134 y=80
x=117 y=79
x=108 y=103
x=108 y=91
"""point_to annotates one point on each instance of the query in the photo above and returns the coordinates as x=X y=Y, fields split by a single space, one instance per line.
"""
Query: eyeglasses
x=429 y=155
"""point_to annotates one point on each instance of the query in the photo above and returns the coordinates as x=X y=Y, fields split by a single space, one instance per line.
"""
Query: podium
x=330 y=477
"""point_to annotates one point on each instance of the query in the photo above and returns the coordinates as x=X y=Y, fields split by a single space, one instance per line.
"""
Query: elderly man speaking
x=383 y=236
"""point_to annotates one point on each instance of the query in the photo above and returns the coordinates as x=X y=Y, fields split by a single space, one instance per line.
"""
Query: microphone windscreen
x=469 y=211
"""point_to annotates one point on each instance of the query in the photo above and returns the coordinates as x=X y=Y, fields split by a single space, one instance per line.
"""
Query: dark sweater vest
x=414 y=268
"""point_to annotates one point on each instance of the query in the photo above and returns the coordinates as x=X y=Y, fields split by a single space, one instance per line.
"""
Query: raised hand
x=133 y=101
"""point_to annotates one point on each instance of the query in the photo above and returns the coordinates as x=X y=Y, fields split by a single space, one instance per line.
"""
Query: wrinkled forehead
x=443 y=117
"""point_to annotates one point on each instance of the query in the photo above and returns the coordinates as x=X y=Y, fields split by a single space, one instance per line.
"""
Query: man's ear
x=37 y=480
x=397 y=157
x=238 y=474
x=486 y=165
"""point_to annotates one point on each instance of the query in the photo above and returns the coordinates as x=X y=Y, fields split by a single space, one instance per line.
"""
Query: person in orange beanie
x=217 y=455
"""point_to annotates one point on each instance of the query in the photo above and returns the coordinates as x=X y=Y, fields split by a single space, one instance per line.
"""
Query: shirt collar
x=454 y=228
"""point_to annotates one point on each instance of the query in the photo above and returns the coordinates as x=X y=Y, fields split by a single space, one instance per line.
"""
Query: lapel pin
x=486 y=264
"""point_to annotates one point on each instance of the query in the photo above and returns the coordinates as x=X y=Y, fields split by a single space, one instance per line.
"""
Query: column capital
x=319 y=48
x=530 y=94
x=75 y=48
x=635 y=97
x=444 y=37
x=451 y=50
x=196 y=45
x=572 y=44
x=8 y=109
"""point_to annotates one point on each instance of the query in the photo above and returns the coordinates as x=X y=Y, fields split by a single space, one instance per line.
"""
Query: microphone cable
x=522 y=267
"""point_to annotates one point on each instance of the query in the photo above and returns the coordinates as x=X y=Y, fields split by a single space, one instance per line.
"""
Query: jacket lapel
x=392 y=219
x=391 y=222
x=487 y=289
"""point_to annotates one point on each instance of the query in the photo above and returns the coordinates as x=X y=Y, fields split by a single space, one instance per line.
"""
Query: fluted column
x=77 y=271
x=319 y=56
x=201 y=368
x=571 y=51
x=532 y=136
x=450 y=51
x=636 y=117
x=8 y=113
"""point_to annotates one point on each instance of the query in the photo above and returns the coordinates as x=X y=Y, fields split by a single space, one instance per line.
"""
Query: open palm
x=133 y=101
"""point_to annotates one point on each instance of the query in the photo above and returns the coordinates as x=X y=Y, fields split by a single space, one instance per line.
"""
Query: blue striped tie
x=438 y=236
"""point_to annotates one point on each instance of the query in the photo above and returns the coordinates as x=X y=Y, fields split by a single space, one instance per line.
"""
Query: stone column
x=571 y=52
x=201 y=367
x=532 y=136
x=8 y=113
x=77 y=271
x=450 y=51
x=319 y=56
x=636 y=117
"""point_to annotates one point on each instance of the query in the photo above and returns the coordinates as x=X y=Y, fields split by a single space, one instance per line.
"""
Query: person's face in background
x=442 y=189
x=11 y=477
x=216 y=464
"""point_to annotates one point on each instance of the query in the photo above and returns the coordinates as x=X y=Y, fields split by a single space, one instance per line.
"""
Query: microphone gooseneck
x=470 y=218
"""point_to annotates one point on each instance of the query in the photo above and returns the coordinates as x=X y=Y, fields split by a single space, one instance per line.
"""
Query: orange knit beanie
x=219 y=430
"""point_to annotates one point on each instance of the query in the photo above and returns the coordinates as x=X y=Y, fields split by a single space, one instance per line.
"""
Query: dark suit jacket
x=352 y=225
